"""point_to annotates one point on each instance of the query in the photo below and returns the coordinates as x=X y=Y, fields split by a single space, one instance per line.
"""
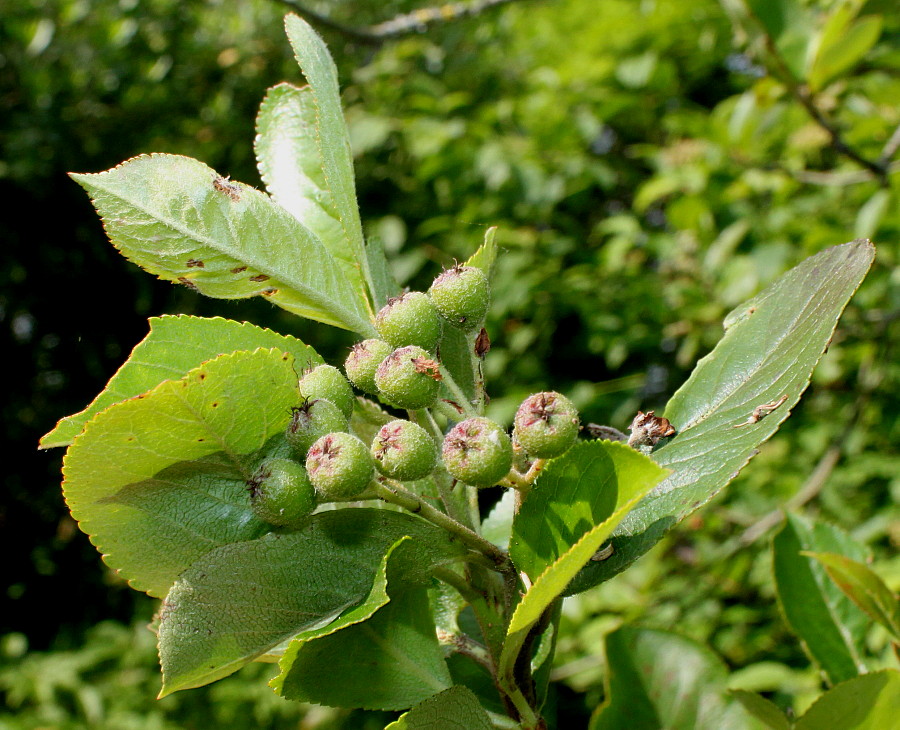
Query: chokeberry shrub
x=230 y=478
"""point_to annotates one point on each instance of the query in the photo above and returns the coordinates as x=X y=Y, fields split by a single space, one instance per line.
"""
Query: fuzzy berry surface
x=546 y=425
x=310 y=421
x=281 y=493
x=461 y=295
x=340 y=466
x=477 y=451
x=326 y=381
x=409 y=378
x=363 y=361
x=410 y=319
x=403 y=450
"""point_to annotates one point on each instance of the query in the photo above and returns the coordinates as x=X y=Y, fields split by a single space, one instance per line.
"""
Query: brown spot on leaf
x=269 y=292
x=238 y=269
x=260 y=277
x=194 y=263
x=187 y=282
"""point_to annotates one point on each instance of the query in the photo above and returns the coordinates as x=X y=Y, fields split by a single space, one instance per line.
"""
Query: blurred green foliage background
x=649 y=167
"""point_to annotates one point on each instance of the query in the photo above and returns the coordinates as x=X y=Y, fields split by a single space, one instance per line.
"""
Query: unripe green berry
x=477 y=451
x=409 y=320
x=409 y=378
x=326 y=381
x=546 y=425
x=461 y=296
x=281 y=493
x=363 y=361
x=340 y=466
x=403 y=450
x=311 y=421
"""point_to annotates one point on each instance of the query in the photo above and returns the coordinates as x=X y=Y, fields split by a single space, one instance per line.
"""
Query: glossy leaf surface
x=771 y=345
x=831 y=627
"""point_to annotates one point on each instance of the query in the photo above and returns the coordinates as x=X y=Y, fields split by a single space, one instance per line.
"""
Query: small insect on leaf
x=761 y=411
x=224 y=185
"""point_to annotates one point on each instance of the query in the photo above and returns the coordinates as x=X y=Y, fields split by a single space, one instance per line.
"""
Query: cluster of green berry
x=401 y=368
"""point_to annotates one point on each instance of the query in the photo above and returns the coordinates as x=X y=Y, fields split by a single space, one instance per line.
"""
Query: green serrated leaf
x=160 y=480
x=332 y=138
x=662 y=681
x=625 y=477
x=454 y=708
x=390 y=661
x=768 y=713
x=575 y=493
x=862 y=586
x=869 y=702
x=175 y=345
x=485 y=258
x=179 y=219
x=291 y=166
x=771 y=346
x=241 y=600
x=831 y=628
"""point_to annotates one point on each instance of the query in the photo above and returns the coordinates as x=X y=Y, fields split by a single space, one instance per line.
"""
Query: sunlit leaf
x=179 y=219
x=771 y=345
x=174 y=346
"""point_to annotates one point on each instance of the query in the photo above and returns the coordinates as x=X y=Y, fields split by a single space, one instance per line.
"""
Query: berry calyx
x=409 y=378
x=281 y=493
x=340 y=466
x=363 y=361
x=326 y=381
x=312 y=420
x=546 y=425
x=461 y=295
x=410 y=319
x=403 y=450
x=477 y=451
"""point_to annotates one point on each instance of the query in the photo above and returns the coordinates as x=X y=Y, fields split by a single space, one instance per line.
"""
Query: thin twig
x=404 y=24
x=803 y=95
x=890 y=147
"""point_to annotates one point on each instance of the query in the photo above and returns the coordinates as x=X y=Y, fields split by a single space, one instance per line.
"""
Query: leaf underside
x=180 y=220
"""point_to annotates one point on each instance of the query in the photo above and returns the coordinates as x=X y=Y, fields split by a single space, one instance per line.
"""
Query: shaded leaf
x=661 y=681
x=453 y=708
x=831 y=628
x=601 y=460
x=771 y=346
x=869 y=702
x=390 y=661
x=862 y=586
x=768 y=713
x=241 y=600
x=159 y=480
x=575 y=493
x=179 y=219
x=174 y=346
